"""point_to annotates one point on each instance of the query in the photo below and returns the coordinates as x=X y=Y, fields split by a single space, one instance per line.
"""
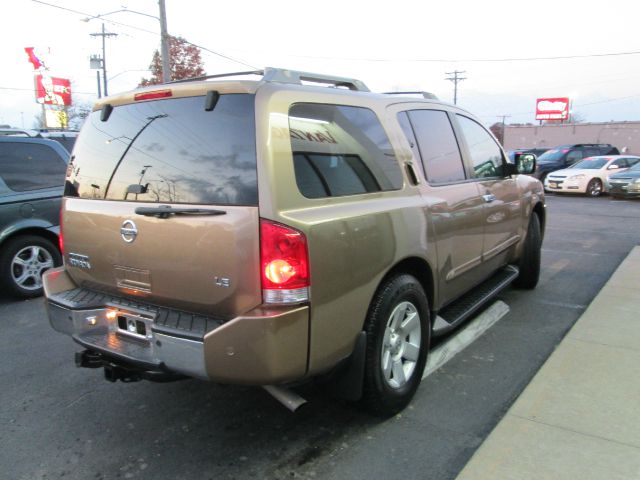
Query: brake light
x=152 y=95
x=284 y=264
x=61 y=236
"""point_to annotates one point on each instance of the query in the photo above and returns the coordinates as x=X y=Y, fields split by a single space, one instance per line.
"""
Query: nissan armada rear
x=274 y=231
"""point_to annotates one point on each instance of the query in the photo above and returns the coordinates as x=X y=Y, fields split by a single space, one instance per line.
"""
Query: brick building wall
x=624 y=135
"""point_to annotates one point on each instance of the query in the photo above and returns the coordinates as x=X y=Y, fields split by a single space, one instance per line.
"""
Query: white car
x=589 y=176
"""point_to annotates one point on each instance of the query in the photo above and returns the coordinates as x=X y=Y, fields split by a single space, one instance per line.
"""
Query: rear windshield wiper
x=164 y=211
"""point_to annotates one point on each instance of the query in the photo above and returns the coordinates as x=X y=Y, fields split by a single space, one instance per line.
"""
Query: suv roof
x=236 y=83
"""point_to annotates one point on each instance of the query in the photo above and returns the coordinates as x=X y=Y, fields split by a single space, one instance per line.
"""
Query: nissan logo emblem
x=128 y=231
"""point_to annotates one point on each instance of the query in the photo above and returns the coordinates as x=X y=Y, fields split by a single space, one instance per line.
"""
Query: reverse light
x=284 y=264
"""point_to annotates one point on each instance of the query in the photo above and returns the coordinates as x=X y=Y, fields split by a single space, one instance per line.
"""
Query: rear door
x=162 y=204
x=31 y=178
x=455 y=206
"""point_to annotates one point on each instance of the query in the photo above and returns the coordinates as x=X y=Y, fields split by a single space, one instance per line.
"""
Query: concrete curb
x=580 y=415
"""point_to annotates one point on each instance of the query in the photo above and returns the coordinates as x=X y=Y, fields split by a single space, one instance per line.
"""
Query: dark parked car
x=32 y=172
x=563 y=156
x=625 y=184
x=67 y=138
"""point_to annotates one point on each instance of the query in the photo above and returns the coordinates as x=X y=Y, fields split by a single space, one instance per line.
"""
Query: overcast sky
x=399 y=45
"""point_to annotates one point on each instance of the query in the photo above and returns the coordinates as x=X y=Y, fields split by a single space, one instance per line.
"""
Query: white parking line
x=465 y=337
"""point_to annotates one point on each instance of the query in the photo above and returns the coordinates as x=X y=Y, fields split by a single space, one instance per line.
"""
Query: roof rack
x=427 y=95
x=280 y=75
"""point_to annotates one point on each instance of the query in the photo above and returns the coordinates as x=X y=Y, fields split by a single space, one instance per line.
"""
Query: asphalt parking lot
x=57 y=421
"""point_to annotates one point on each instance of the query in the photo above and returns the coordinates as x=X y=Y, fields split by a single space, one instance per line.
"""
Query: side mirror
x=613 y=167
x=524 y=163
x=137 y=189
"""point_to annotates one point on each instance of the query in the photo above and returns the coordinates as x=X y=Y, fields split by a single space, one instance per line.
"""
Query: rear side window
x=169 y=151
x=340 y=150
x=30 y=166
x=438 y=146
x=485 y=152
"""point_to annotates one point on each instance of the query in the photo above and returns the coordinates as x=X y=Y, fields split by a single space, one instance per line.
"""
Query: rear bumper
x=263 y=347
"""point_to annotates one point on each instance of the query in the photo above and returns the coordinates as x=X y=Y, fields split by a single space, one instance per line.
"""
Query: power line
x=113 y=22
x=463 y=60
x=31 y=90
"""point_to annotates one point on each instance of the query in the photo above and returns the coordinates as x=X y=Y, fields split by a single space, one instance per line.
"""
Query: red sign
x=552 y=108
x=33 y=58
x=53 y=91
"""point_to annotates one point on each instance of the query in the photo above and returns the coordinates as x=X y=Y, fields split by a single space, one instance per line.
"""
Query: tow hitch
x=115 y=371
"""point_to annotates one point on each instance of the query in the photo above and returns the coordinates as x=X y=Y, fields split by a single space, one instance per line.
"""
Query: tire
x=398 y=334
x=529 y=265
x=594 y=188
x=23 y=260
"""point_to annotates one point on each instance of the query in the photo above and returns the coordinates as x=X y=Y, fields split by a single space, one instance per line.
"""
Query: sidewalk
x=579 y=418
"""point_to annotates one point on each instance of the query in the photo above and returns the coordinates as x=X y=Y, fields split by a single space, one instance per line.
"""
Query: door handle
x=488 y=198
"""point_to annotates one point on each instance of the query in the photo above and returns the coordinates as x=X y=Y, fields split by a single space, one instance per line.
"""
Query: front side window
x=30 y=166
x=438 y=146
x=340 y=150
x=486 y=155
x=169 y=151
x=575 y=155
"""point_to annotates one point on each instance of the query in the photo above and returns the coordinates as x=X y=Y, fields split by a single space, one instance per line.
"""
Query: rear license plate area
x=134 y=325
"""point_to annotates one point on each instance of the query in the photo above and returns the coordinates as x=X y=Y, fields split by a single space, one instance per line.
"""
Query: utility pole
x=164 y=43
x=503 y=117
x=455 y=79
x=104 y=56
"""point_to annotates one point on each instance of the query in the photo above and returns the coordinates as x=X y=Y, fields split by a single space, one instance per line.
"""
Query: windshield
x=169 y=151
x=593 y=163
x=552 y=155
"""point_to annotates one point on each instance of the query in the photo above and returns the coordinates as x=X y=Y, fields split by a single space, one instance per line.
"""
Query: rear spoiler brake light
x=152 y=95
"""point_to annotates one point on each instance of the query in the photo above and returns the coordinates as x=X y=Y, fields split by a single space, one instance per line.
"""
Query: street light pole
x=164 y=43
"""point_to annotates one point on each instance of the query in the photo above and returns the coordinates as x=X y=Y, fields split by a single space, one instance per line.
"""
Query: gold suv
x=270 y=231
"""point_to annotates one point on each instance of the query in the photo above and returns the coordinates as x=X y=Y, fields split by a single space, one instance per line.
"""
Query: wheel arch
x=418 y=268
x=31 y=230
x=539 y=210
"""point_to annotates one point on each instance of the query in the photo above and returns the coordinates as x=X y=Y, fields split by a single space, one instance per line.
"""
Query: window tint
x=621 y=162
x=30 y=166
x=438 y=146
x=169 y=151
x=485 y=152
x=574 y=156
x=340 y=150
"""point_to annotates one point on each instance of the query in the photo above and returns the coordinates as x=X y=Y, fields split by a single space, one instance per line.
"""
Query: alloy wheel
x=28 y=265
x=401 y=345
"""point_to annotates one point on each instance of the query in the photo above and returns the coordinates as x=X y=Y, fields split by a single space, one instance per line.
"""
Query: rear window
x=169 y=151
x=30 y=166
x=341 y=150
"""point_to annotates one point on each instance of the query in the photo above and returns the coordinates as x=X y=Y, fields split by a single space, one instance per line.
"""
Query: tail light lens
x=61 y=236
x=284 y=264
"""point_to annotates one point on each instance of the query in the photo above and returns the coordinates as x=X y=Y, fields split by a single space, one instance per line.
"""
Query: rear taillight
x=284 y=264
x=61 y=236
